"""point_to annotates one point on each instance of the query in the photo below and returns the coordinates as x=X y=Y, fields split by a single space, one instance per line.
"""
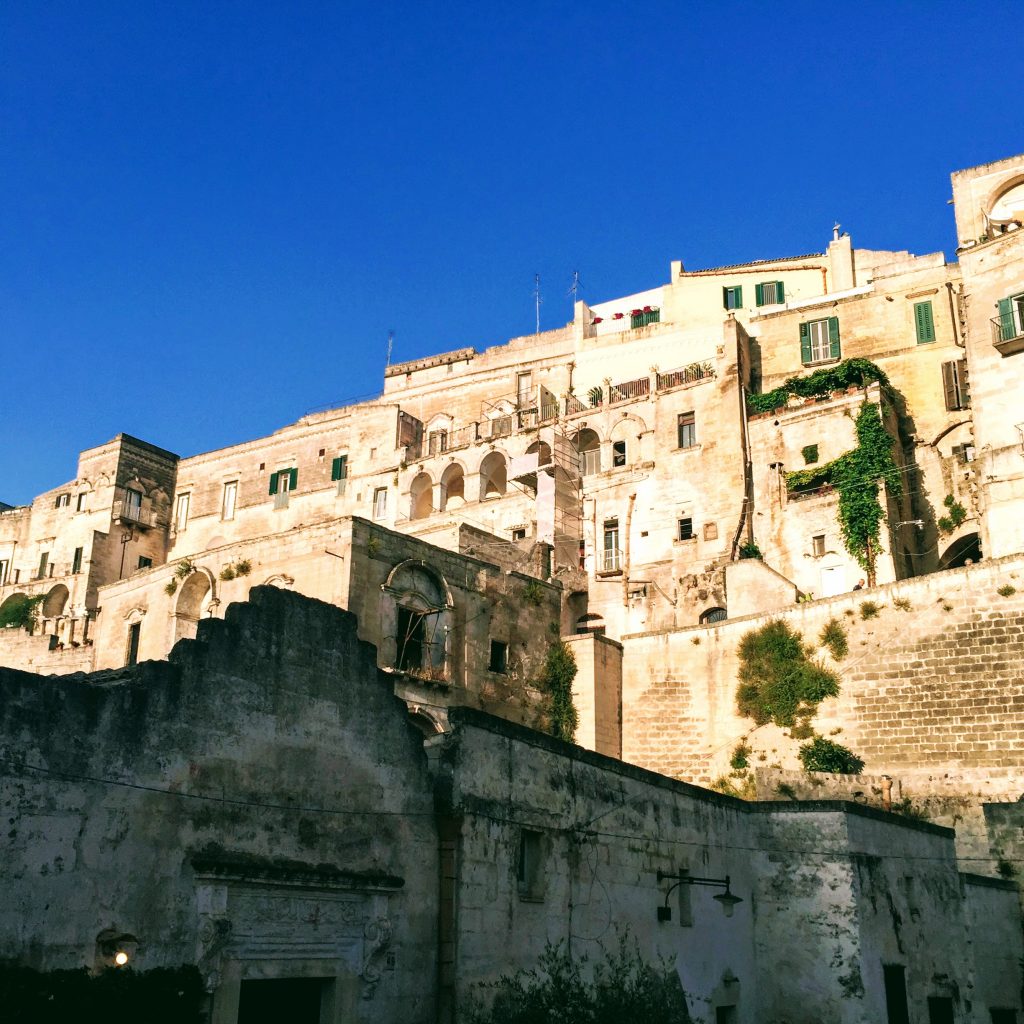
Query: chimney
x=840 y=254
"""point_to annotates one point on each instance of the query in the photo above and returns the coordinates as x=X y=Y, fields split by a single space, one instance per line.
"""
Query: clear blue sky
x=213 y=213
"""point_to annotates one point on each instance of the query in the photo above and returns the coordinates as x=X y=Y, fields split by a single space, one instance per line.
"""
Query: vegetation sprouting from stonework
x=567 y=989
x=160 y=996
x=955 y=514
x=856 y=476
x=849 y=373
x=20 y=611
x=779 y=682
x=823 y=755
x=555 y=682
x=833 y=636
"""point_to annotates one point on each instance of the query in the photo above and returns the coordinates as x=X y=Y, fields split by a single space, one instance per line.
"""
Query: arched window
x=416 y=620
x=713 y=615
x=421 y=502
x=56 y=599
x=493 y=476
x=453 y=487
x=588 y=444
x=193 y=599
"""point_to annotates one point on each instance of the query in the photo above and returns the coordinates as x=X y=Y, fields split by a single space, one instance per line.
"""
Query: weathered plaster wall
x=252 y=747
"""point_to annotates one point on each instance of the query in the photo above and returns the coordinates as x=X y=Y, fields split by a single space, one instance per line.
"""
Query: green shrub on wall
x=619 y=989
x=822 y=755
x=161 y=996
x=778 y=681
x=556 y=683
x=849 y=373
x=20 y=611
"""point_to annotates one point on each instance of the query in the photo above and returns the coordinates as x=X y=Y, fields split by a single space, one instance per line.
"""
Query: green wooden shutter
x=951 y=385
x=336 y=469
x=759 y=294
x=833 y=336
x=805 y=343
x=1006 y=331
x=294 y=479
x=725 y=298
x=924 y=322
x=273 y=482
x=780 y=292
x=739 y=296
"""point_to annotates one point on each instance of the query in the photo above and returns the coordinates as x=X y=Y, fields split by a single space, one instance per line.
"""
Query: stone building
x=261 y=807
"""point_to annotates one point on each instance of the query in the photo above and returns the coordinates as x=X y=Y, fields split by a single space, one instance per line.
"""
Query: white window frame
x=181 y=509
x=229 y=500
x=821 y=345
x=380 y=503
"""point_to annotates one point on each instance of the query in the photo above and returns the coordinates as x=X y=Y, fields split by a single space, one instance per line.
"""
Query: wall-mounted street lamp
x=727 y=899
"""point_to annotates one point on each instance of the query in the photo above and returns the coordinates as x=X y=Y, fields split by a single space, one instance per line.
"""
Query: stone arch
x=195 y=596
x=421 y=496
x=591 y=623
x=966 y=548
x=710 y=615
x=279 y=580
x=1001 y=190
x=425 y=720
x=11 y=604
x=543 y=450
x=55 y=602
x=587 y=442
x=493 y=475
x=453 y=486
x=416 y=620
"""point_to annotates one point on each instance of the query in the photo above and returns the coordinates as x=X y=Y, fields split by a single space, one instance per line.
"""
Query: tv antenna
x=537 y=300
x=575 y=288
x=391 y=341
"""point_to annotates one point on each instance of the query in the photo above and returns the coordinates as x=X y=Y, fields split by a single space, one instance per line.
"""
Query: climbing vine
x=856 y=476
x=556 y=683
x=20 y=611
x=849 y=373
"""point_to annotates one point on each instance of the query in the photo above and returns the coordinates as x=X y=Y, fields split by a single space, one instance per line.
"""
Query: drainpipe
x=748 y=479
x=625 y=551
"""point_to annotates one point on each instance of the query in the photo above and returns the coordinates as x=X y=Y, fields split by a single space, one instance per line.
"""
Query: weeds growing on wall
x=822 y=755
x=171 y=586
x=856 y=476
x=555 y=683
x=833 y=636
x=184 y=568
x=533 y=593
x=955 y=514
x=749 y=549
x=1007 y=590
x=849 y=373
x=779 y=682
x=619 y=987
x=739 y=784
x=740 y=756
x=869 y=609
x=159 y=996
x=20 y=611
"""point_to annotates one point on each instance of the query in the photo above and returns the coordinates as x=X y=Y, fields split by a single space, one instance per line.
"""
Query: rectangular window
x=76 y=561
x=132 y=646
x=732 y=298
x=819 y=545
x=4 y=568
x=81 y=502
x=684 y=529
x=44 y=561
x=618 y=453
x=145 y=563
x=940 y=1010
x=524 y=387
x=924 y=322
x=1011 y=317
x=895 y=994
x=611 y=561
x=63 y=501
x=530 y=867
x=281 y=483
x=771 y=293
x=437 y=442
x=519 y=533
x=499 y=657
x=686 y=429
x=380 y=503
x=409 y=640
x=590 y=462
x=132 y=504
x=228 y=500
x=339 y=472
x=181 y=511
x=819 y=341
x=955 y=385
x=1002 y=1016
x=810 y=454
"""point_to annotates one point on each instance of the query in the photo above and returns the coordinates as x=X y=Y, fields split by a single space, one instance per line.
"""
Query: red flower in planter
x=619 y=316
x=635 y=312
x=647 y=309
x=597 y=320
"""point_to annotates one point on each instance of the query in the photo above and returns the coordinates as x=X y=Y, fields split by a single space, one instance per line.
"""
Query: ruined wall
x=267 y=765
x=935 y=689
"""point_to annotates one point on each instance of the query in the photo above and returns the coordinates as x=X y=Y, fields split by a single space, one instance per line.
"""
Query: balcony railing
x=128 y=512
x=630 y=390
x=685 y=375
x=1008 y=330
x=573 y=405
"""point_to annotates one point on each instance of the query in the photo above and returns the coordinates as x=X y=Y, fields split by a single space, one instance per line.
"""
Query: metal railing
x=685 y=375
x=630 y=390
x=1008 y=325
x=132 y=513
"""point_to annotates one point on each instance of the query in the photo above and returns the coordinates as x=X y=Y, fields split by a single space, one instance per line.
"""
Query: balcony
x=630 y=390
x=1008 y=330
x=685 y=375
x=130 y=514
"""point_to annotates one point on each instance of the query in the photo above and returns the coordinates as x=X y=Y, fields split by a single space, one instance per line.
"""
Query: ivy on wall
x=856 y=476
x=556 y=683
x=20 y=611
x=849 y=373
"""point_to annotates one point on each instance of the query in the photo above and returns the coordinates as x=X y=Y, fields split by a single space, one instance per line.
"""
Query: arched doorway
x=963 y=550
x=421 y=502
x=453 y=487
x=416 y=620
x=193 y=601
x=493 y=476
x=55 y=601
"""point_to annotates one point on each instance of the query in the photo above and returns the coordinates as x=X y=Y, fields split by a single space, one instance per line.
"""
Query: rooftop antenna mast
x=576 y=288
x=536 y=298
x=391 y=341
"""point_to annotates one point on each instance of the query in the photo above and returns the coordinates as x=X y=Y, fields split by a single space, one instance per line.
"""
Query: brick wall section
x=936 y=691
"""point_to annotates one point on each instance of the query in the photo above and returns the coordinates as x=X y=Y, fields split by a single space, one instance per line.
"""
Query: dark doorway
x=409 y=640
x=940 y=1010
x=896 y=994
x=132 y=652
x=281 y=1001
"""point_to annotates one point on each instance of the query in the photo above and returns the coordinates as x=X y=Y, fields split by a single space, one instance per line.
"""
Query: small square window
x=519 y=533
x=686 y=430
x=732 y=298
x=618 y=453
x=499 y=657
x=711 y=531
x=684 y=529
x=63 y=500
x=770 y=293
x=810 y=454
x=145 y=563
x=819 y=545
x=530 y=868
x=320 y=454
